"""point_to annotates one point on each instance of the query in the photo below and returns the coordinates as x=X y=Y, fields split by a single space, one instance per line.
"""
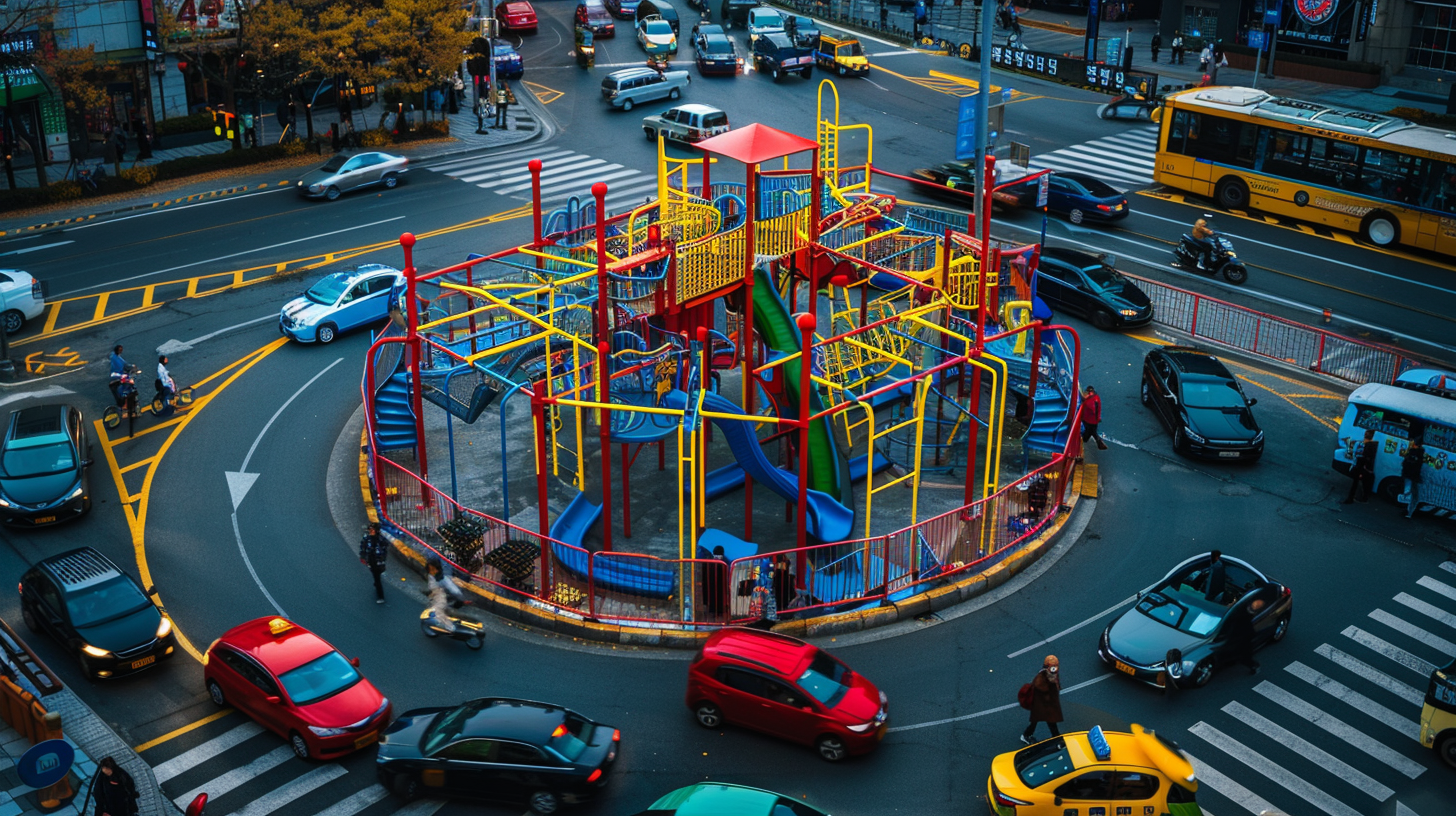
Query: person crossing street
x=1046 y=699
x=1091 y=416
x=374 y=553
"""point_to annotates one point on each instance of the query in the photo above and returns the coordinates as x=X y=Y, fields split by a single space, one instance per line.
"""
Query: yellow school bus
x=1389 y=180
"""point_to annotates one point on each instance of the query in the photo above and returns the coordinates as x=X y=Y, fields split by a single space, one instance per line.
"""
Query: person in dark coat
x=1362 y=469
x=1410 y=471
x=715 y=582
x=1091 y=416
x=1046 y=699
x=1214 y=587
x=115 y=792
x=783 y=584
x=1156 y=45
x=374 y=553
x=1239 y=630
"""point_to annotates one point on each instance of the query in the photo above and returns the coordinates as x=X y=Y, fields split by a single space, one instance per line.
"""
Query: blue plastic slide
x=637 y=576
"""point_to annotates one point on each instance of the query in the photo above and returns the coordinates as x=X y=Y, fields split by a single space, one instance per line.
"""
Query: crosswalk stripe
x=237 y=776
x=1429 y=610
x=1068 y=166
x=495 y=158
x=1339 y=728
x=1279 y=775
x=1449 y=566
x=623 y=172
x=518 y=173
x=424 y=807
x=1231 y=790
x=1390 y=650
x=1441 y=644
x=1104 y=170
x=1308 y=750
x=1114 y=164
x=293 y=789
x=1437 y=587
x=355 y=803
x=561 y=174
x=1355 y=700
x=207 y=750
x=1365 y=670
x=1139 y=160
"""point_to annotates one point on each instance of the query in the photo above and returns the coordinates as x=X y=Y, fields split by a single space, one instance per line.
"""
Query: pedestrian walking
x=479 y=115
x=1216 y=582
x=1046 y=699
x=249 y=132
x=1156 y=45
x=457 y=84
x=1091 y=416
x=1240 y=629
x=374 y=554
x=1205 y=57
x=783 y=583
x=114 y=790
x=1362 y=469
x=715 y=582
x=1177 y=54
x=502 y=103
x=1410 y=471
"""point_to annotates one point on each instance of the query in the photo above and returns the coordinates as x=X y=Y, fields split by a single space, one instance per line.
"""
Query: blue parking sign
x=1272 y=9
x=45 y=763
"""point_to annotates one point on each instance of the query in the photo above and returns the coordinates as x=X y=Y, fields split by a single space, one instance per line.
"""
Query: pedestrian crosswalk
x=1124 y=161
x=248 y=771
x=1336 y=732
x=564 y=173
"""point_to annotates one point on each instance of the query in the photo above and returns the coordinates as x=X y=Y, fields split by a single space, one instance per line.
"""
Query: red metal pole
x=626 y=493
x=538 y=413
x=604 y=349
x=412 y=335
x=534 y=165
x=973 y=437
x=745 y=333
x=805 y=322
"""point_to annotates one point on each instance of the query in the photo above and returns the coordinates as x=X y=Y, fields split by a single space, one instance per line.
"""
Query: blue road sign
x=46 y=763
x=965 y=145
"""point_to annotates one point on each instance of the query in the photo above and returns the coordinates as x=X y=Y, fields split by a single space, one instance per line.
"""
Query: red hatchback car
x=516 y=15
x=294 y=683
x=783 y=686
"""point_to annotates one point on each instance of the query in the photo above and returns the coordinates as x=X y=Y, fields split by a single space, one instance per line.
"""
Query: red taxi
x=295 y=684
x=516 y=16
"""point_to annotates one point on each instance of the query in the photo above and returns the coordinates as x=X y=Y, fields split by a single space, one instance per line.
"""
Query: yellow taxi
x=1095 y=773
x=1438 y=715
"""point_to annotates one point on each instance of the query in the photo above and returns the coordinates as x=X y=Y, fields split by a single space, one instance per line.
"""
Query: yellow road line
x=213 y=717
x=1321 y=420
x=134 y=465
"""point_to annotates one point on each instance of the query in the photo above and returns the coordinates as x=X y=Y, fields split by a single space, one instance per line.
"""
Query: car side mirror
x=151 y=591
x=354 y=661
x=274 y=699
x=1057 y=801
x=1253 y=401
x=87 y=462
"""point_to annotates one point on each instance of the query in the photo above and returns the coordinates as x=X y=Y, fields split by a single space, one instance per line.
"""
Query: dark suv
x=1201 y=403
x=97 y=611
x=775 y=54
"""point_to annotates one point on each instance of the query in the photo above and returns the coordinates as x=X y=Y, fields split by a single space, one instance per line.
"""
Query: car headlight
x=314 y=188
x=95 y=652
x=860 y=729
x=1258 y=437
x=165 y=627
x=1195 y=437
x=1128 y=312
x=5 y=503
x=73 y=494
x=328 y=732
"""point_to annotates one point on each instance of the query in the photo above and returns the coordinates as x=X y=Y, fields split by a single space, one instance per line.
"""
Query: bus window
x=1225 y=141
x=1383 y=421
x=1285 y=154
x=1395 y=177
x=1178 y=130
x=1440 y=437
x=1332 y=163
x=1442 y=195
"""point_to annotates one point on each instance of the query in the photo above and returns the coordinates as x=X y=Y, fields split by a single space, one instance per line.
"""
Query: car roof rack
x=81 y=568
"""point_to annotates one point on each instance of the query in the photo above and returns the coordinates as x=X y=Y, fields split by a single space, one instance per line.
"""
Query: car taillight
x=1104 y=208
x=559 y=732
x=616 y=735
x=1004 y=800
x=37 y=291
x=595 y=775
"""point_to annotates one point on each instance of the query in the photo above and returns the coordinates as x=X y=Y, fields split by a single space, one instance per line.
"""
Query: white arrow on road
x=174 y=346
x=239 y=484
x=48 y=391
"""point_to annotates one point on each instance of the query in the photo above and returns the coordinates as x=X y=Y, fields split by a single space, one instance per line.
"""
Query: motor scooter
x=472 y=633
x=1223 y=260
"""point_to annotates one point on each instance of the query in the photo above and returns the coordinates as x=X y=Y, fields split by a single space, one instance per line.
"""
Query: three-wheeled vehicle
x=1133 y=104
x=1438 y=716
x=586 y=52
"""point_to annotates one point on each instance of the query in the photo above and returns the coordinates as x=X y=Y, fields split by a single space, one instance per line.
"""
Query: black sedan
x=501 y=749
x=714 y=52
x=1183 y=612
x=1201 y=404
x=1087 y=286
x=956 y=181
x=43 y=466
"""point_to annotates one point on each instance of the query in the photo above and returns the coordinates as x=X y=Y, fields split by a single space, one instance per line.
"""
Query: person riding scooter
x=442 y=591
x=1202 y=233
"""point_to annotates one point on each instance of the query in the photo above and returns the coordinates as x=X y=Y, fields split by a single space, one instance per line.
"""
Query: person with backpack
x=374 y=553
x=1043 y=698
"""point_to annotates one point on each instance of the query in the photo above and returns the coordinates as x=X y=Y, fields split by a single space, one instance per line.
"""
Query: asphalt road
x=286 y=547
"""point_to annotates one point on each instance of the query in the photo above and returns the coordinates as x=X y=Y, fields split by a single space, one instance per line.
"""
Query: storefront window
x=1200 y=22
x=1433 y=38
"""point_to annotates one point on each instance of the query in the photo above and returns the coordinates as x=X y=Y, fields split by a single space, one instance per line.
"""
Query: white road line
x=1074 y=627
x=1339 y=728
x=237 y=776
x=293 y=789
x=1429 y=610
x=1129 y=160
x=578 y=184
x=355 y=803
x=568 y=173
x=1389 y=650
x=496 y=159
x=1231 y=790
x=1273 y=771
x=207 y=750
x=1355 y=700
x=1449 y=566
x=159 y=210
x=1308 y=750
x=1436 y=642
x=424 y=807
x=516 y=174
x=1069 y=689
x=35 y=248
x=1364 y=670
x=1437 y=587
x=40 y=393
x=1109 y=169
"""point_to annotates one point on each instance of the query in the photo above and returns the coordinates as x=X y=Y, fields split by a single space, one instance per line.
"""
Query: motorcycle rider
x=118 y=370
x=1202 y=235
x=442 y=590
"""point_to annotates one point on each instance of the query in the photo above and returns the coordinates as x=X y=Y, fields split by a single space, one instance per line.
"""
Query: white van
x=1421 y=403
x=633 y=86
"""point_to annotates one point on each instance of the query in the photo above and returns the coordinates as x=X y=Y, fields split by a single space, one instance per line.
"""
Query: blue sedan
x=340 y=302
x=1082 y=197
x=508 y=64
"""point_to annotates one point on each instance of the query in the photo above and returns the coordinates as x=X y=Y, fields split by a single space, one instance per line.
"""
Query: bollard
x=61 y=792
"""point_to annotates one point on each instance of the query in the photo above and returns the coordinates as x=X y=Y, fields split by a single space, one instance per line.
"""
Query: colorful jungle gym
x=843 y=345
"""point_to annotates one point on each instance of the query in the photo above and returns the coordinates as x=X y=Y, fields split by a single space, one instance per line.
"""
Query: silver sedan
x=343 y=173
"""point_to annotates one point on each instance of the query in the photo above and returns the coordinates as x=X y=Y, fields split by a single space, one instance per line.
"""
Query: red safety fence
x=1324 y=352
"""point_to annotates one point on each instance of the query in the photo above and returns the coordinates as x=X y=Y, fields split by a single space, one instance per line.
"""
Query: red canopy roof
x=756 y=144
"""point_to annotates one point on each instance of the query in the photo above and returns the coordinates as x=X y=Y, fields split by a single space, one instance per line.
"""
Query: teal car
x=718 y=799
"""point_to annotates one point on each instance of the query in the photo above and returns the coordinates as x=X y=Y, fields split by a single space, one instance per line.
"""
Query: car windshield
x=1168 y=609
x=1043 y=762
x=571 y=737
x=658 y=28
x=853 y=49
x=112 y=599
x=326 y=291
x=1104 y=277
x=319 y=679
x=1211 y=393
x=447 y=726
x=335 y=164
x=718 y=46
x=824 y=679
x=767 y=19
x=40 y=460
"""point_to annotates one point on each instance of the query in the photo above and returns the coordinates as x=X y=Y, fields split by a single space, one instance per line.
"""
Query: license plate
x=1126 y=669
x=366 y=739
x=44 y=519
x=1229 y=454
x=146 y=661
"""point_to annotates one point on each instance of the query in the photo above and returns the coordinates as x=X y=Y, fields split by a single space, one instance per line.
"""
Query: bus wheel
x=1391 y=488
x=1232 y=194
x=1380 y=228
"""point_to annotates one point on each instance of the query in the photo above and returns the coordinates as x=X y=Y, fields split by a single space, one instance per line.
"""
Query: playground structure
x=841 y=345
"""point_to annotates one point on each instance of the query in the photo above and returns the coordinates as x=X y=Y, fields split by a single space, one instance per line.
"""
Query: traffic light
x=225 y=125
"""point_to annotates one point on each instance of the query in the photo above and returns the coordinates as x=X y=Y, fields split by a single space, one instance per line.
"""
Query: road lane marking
x=1390 y=651
x=424 y=807
x=356 y=803
x=1074 y=627
x=1354 y=736
x=189 y=759
x=997 y=709
x=1308 y=750
x=1364 y=670
x=174 y=346
x=1231 y=790
x=35 y=248
x=1449 y=566
x=1437 y=587
x=1275 y=772
x=177 y=732
x=1436 y=642
x=220 y=200
x=42 y=393
x=1429 y=610
x=1355 y=700
x=291 y=790
x=237 y=777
